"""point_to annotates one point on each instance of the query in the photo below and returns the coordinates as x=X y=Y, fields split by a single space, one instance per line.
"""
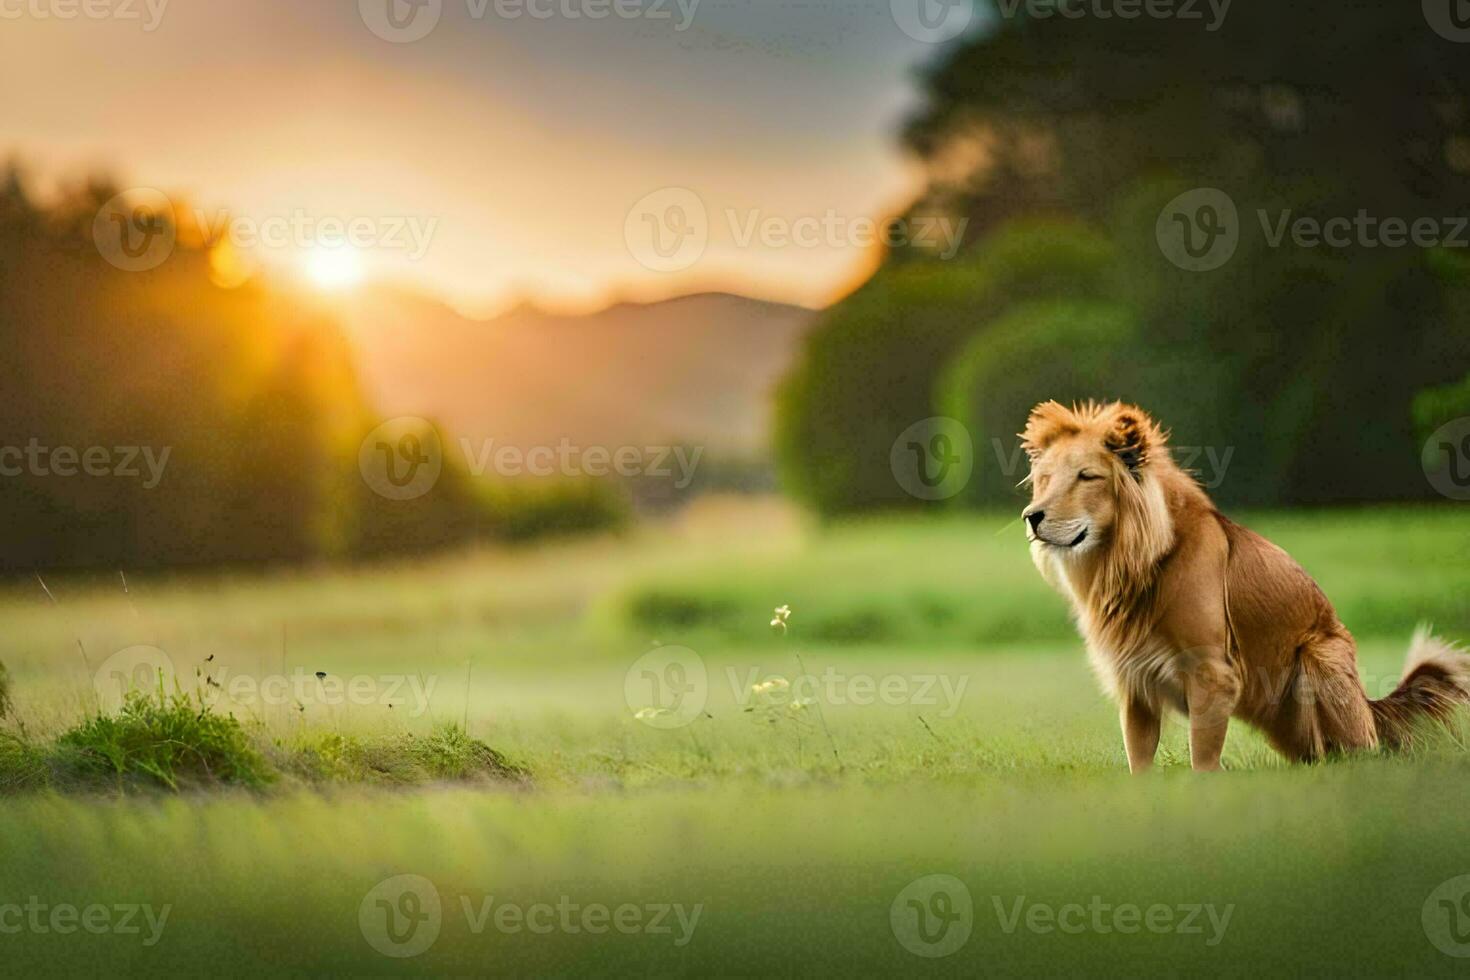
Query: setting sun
x=334 y=268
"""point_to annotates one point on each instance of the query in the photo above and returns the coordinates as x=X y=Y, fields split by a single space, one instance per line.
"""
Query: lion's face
x=1080 y=460
x=1074 y=499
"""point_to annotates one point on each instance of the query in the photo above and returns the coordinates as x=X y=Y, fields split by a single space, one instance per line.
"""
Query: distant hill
x=696 y=369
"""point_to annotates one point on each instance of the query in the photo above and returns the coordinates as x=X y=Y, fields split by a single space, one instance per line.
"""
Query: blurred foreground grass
x=1324 y=871
x=795 y=832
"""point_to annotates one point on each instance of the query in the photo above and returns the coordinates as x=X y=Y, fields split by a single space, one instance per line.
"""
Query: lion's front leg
x=1140 y=734
x=1211 y=691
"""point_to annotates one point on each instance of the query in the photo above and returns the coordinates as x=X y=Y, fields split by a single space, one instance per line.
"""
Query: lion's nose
x=1035 y=518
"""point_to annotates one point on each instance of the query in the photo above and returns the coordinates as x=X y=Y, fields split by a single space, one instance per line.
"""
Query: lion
x=1183 y=609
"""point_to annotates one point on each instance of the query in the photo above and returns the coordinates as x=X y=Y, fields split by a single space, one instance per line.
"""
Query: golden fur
x=1182 y=608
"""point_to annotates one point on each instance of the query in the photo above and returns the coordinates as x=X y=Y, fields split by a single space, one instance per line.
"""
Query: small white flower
x=783 y=613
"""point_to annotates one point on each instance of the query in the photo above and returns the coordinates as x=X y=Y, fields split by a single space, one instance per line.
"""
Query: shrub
x=1435 y=406
x=527 y=510
x=1069 y=350
x=869 y=368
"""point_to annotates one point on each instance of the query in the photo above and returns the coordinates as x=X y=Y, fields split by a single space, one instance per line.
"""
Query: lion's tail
x=1436 y=681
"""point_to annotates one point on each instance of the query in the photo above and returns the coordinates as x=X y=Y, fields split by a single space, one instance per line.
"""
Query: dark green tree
x=1307 y=360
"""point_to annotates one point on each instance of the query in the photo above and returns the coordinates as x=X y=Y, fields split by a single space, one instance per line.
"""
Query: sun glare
x=334 y=268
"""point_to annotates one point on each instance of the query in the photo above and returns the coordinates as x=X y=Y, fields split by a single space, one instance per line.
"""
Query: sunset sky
x=510 y=151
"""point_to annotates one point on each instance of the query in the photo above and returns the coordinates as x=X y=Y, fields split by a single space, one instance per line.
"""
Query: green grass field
x=953 y=730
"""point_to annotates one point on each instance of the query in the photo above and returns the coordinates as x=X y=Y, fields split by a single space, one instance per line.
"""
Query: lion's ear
x=1047 y=421
x=1134 y=437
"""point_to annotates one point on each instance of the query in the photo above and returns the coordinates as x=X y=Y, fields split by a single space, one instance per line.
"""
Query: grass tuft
x=452 y=753
x=169 y=741
x=7 y=706
x=23 y=765
x=448 y=754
